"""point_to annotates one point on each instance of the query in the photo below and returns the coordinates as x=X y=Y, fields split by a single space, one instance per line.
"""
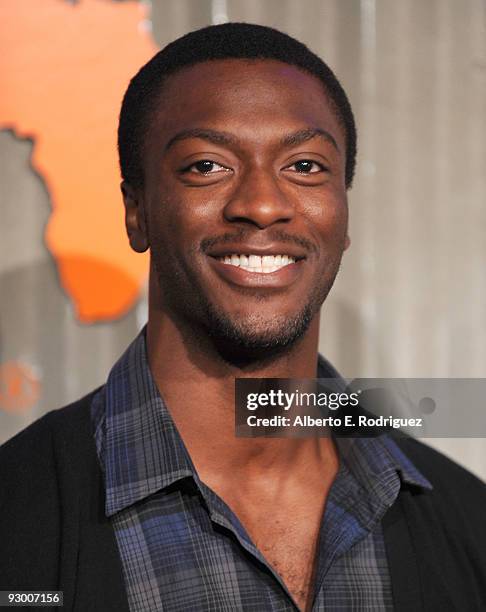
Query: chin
x=241 y=341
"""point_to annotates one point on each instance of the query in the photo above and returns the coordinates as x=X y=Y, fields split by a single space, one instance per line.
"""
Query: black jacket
x=54 y=534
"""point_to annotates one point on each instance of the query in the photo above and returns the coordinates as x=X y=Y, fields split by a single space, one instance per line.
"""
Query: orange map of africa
x=63 y=71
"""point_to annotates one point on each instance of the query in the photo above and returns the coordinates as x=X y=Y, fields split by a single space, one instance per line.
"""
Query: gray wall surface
x=410 y=300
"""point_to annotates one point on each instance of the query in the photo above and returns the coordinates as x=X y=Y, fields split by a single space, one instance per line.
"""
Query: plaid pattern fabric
x=181 y=546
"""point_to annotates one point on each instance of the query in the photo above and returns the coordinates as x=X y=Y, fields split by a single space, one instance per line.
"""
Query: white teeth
x=255 y=263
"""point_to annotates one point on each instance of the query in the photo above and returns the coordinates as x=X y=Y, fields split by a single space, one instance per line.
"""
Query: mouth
x=258 y=264
x=267 y=271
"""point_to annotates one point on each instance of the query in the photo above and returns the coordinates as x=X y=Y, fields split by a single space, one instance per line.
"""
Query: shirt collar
x=142 y=451
x=380 y=455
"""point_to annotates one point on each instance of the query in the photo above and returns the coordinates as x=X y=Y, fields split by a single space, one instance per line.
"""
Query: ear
x=347 y=242
x=135 y=218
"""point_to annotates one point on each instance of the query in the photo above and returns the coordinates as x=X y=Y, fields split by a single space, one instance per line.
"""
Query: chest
x=172 y=545
x=287 y=536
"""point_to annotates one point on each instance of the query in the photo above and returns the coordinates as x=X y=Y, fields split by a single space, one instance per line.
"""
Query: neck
x=197 y=385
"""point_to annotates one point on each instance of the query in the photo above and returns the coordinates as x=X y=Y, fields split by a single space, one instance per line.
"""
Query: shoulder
x=457 y=497
x=436 y=538
x=33 y=452
x=439 y=469
x=41 y=471
x=66 y=419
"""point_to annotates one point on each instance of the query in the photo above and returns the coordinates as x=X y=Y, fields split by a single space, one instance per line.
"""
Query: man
x=237 y=147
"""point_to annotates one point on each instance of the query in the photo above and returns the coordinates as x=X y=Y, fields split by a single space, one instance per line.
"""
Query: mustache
x=270 y=236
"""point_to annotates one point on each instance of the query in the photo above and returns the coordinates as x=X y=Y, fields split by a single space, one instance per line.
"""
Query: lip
x=282 y=278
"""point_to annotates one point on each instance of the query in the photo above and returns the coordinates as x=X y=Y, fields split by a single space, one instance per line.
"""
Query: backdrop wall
x=410 y=300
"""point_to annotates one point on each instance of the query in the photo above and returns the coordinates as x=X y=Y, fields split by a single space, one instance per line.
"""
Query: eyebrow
x=213 y=136
x=225 y=138
x=308 y=134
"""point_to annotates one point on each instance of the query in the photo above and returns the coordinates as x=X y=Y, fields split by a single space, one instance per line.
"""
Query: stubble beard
x=238 y=340
x=256 y=336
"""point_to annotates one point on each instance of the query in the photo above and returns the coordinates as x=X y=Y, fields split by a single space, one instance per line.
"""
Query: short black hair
x=225 y=41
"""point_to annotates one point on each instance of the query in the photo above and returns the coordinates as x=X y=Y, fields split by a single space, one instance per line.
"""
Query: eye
x=205 y=167
x=306 y=166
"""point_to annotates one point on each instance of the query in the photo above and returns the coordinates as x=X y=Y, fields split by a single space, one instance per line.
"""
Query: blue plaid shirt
x=181 y=546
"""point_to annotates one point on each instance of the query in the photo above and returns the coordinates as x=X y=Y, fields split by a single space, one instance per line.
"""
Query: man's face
x=245 y=200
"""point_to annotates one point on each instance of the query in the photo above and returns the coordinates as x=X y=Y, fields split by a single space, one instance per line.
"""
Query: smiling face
x=244 y=201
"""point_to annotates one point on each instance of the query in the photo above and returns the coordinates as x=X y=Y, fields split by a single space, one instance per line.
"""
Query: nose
x=259 y=200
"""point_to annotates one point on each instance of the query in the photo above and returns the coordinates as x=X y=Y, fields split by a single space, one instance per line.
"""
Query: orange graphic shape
x=19 y=387
x=63 y=71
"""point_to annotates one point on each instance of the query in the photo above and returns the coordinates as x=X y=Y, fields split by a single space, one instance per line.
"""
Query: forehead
x=247 y=97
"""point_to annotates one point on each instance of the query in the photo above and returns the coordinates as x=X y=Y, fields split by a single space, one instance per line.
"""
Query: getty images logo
x=286 y=400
